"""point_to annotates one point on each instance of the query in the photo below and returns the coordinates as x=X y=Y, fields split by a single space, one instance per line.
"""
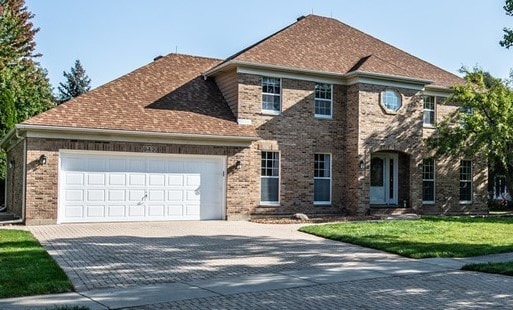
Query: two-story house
x=318 y=118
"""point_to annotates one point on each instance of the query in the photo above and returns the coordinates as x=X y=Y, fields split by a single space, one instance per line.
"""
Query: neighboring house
x=318 y=118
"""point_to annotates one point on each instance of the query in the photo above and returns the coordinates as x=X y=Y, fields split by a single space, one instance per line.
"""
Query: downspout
x=24 y=163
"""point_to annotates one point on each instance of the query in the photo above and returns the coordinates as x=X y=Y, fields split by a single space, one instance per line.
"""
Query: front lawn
x=26 y=268
x=505 y=268
x=426 y=237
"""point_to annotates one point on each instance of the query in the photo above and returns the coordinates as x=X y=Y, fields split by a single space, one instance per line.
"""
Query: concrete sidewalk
x=340 y=276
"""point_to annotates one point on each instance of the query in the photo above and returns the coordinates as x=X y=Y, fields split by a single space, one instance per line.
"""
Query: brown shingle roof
x=328 y=45
x=168 y=95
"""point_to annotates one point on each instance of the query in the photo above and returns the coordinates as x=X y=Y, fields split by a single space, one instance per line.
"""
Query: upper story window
x=391 y=100
x=323 y=100
x=271 y=95
x=465 y=181
x=429 y=111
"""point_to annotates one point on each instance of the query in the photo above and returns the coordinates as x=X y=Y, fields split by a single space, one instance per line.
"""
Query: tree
x=483 y=124
x=77 y=83
x=24 y=86
x=507 y=40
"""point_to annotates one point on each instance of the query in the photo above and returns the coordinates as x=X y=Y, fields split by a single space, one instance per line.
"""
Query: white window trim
x=322 y=116
x=271 y=112
x=271 y=203
x=321 y=203
x=434 y=112
x=471 y=181
x=434 y=184
x=382 y=101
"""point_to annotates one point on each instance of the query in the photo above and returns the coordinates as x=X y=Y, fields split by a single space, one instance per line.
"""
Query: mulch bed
x=327 y=219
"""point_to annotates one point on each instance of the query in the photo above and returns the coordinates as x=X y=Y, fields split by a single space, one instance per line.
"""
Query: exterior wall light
x=238 y=165
x=362 y=164
x=42 y=159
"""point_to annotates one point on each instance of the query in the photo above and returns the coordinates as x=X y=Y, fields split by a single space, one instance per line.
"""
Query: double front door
x=384 y=175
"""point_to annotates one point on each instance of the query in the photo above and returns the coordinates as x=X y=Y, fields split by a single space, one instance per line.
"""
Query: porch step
x=390 y=211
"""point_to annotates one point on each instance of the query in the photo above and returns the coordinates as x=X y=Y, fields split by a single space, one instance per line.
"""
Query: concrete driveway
x=218 y=265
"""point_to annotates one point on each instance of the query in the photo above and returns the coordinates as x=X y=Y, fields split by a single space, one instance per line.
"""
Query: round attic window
x=391 y=100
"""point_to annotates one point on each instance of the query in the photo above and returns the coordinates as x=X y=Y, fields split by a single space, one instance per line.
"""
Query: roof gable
x=328 y=45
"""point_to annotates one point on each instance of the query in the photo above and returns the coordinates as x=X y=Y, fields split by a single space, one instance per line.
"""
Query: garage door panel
x=119 y=187
x=137 y=180
x=137 y=165
x=175 y=210
x=74 y=178
x=193 y=180
x=96 y=211
x=115 y=211
x=156 y=210
x=74 y=195
x=157 y=180
x=136 y=211
x=116 y=195
x=96 y=164
x=156 y=195
x=175 y=195
x=175 y=180
x=136 y=195
x=74 y=211
x=96 y=179
x=117 y=179
x=95 y=195
x=117 y=165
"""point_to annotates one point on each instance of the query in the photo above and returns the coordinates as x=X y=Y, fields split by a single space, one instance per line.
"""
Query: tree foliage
x=482 y=125
x=24 y=86
x=77 y=83
x=507 y=40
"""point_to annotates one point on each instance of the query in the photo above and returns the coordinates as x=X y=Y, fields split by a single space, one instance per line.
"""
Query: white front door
x=384 y=175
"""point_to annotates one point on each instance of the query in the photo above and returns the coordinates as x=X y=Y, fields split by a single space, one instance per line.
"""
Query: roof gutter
x=346 y=78
x=97 y=133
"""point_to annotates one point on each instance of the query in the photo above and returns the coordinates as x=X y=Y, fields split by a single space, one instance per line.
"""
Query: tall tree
x=483 y=124
x=24 y=86
x=77 y=83
x=507 y=40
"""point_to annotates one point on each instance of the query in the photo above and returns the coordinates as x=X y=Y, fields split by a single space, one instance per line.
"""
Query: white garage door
x=105 y=187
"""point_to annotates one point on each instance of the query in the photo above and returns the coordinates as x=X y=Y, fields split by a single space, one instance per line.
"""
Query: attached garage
x=112 y=186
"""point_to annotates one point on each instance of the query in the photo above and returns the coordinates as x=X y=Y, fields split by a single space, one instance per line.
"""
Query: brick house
x=318 y=118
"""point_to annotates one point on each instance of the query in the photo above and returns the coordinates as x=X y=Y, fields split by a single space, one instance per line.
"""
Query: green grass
x=426 y=237
x=26 y=268
x=505 y=268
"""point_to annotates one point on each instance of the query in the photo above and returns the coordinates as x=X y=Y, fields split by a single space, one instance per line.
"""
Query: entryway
x=384 y=179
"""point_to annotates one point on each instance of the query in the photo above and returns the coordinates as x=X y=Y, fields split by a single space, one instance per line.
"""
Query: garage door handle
x=143 y=199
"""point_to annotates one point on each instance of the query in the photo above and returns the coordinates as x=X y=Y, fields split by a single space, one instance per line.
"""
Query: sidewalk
x=228 y=286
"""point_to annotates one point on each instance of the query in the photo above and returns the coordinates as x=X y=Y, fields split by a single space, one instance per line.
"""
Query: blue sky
x=114 y=37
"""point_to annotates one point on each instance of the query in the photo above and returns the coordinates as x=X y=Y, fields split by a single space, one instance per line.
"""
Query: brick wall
x=297 y=135
x=42 y=180
x=14 y=180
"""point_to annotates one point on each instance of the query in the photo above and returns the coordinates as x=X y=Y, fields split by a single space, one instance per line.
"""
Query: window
x=391 y=100
x=428 y=181
x=323 y=101
x=322 y=179
x=271 y=95
x=429 y=111
x=465 y=181
x=270 y=178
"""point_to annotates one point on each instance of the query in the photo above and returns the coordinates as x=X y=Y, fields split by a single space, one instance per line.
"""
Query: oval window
x=391 y=100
